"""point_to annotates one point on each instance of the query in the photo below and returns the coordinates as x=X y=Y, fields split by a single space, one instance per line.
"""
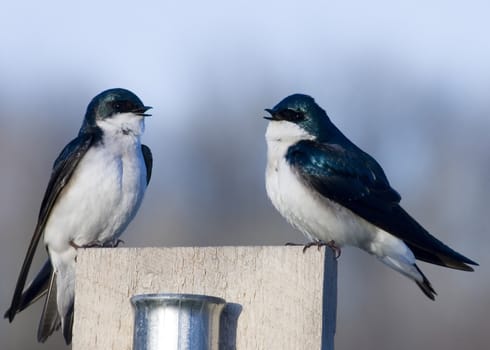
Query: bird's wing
x=63 y=169
x=148 y=161
x=342 y=175
x=356 y=181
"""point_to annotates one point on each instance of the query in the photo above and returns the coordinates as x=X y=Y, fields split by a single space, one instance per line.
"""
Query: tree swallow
x=96 y=187
x=332 y=191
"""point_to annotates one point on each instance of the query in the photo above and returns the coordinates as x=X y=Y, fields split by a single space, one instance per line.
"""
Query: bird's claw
x=336 y=249
x=98 y=244
x=115 y=244
x=331 y=244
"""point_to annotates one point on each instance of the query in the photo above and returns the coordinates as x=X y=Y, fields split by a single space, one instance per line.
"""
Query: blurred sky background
x=409 y=82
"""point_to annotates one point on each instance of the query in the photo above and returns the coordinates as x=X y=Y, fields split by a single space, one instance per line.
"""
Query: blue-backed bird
x=96 y=187
x=336 y=194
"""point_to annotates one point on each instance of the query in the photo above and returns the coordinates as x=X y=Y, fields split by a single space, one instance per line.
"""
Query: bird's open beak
x=272 y=113
x=141 y=111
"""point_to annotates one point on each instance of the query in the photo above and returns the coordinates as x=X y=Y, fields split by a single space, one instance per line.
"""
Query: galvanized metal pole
x=176 y=321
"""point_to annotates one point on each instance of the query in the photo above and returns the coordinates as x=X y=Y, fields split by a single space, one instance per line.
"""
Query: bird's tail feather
x=35 y=290
x=68 y=325
x=425 y=285
x=411 y=271
x=50 y=319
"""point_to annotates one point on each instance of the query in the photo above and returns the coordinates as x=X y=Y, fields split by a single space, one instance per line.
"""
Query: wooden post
x=274 y=294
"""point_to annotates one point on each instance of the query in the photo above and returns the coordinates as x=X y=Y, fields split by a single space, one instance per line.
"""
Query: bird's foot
x=318 y=244
x=98 y=244
x=94 y=244
x=331 y=244
x=74 y=245
x=336 y=249
x=114 y=243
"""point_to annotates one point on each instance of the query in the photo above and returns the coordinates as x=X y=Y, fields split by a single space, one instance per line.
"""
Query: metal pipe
x=176 y=321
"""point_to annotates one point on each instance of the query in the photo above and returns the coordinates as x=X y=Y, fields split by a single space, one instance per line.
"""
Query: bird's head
x=116 y=106
x=304 y=113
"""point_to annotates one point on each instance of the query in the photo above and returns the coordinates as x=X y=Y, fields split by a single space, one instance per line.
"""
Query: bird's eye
x=121 y=106
x=292 y=116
